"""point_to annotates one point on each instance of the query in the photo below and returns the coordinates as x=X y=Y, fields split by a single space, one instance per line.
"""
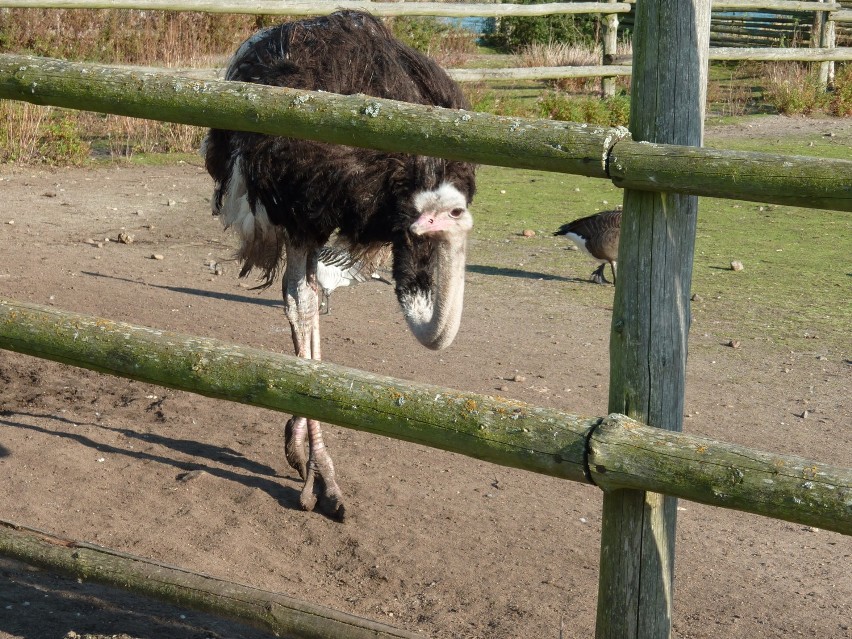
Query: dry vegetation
x=33 y=134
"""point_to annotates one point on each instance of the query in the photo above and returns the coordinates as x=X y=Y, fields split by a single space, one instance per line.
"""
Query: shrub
x=561 y=54
x=614 y=111
x=448 y=45
x=60 y=143
x=514 y=33
x=793 y=90
x=841 y=99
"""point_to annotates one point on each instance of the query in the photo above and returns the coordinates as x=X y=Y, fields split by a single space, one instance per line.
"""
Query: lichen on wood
x=279 y=614
x=495 y=429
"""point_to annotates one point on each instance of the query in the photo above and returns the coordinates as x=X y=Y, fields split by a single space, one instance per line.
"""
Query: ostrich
x=337 y=267
x=597 y=236
x=285 y=198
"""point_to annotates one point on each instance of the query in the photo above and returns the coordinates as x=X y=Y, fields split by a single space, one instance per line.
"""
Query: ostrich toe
x=321 y=485
x=294 y=445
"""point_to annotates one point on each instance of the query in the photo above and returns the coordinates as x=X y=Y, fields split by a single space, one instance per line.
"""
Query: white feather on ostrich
x=337 y=267
x=286 y=197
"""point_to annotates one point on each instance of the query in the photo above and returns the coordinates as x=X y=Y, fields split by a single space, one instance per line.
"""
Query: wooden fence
x=662 y=170
x=820 y=31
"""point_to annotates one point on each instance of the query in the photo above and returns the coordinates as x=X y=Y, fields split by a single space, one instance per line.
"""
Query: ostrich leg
x=301 y=304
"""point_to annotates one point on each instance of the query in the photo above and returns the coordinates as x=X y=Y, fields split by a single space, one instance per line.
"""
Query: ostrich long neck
x=434 y=317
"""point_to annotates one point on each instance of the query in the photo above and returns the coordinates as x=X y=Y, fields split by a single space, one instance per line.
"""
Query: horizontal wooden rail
x=613 y=452
x=276 y=613
x=778 y=5
x=756 y=177
x=626 y=454
x=841 y=16
x=776 y=53
x=498 y=430
x=356 y=120
x=388 y=125
x=313 y=8
x=537 y=73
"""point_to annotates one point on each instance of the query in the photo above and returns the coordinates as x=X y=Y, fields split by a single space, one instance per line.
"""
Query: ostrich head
x=429 y=264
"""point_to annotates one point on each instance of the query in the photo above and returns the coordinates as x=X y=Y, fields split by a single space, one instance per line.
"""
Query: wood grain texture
x=651 y=318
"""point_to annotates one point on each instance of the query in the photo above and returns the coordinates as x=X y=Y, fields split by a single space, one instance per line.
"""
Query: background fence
x=760 y=30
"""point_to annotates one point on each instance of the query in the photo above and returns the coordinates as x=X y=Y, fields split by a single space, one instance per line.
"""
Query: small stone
x=502 y=191
x=171 y=203
x=528 y=233
x=125 y=238
x=736 y=265
x=573 y=247
x=696 y=298
x=503 y=388
x=805 y=414
x=156 y=256
x=734 y=343
x=49 y=194
x=11 y=222
x=519 y=378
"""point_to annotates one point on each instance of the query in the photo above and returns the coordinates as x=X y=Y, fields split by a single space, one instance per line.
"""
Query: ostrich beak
x=455 y=220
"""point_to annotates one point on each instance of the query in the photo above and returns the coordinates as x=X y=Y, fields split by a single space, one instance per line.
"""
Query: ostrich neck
x=434 y=316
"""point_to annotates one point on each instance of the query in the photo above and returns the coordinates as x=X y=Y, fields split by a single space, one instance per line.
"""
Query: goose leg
x=301 y=305
x=598 y=276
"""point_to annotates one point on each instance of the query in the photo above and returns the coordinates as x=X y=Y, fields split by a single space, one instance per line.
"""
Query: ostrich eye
x=456 y=213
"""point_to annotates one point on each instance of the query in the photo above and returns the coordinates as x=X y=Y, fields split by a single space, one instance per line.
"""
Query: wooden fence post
x=651 y=314
x=822 y=37
x=610 y=49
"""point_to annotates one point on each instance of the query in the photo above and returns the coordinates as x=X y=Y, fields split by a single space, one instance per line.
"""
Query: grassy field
x=794 y=289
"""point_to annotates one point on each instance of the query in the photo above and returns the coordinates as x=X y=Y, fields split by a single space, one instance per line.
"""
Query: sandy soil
x=434 y=542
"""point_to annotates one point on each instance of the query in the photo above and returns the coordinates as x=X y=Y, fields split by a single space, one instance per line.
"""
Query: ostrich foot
x=320 y=484
x=294 y=445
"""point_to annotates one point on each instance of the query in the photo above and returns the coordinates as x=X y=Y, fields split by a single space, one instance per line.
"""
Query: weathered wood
x=841 y=16
x=537 y=73
x=740 y=175
x=272 y=612
x=314 y=8
x=823 y=35
x=772 y=53
x=650 y=319
x=494 y=429
x=396 y=126
x=780 y=5
x=610 y=48
x=502 y=431
x=626 y=454
x=356 y=120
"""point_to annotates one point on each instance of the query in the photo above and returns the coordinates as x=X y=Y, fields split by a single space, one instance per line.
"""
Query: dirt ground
x=434 y=542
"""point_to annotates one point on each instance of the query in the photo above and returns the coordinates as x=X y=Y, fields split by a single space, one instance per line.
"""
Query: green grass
x=809 y=144
x=794 y=290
